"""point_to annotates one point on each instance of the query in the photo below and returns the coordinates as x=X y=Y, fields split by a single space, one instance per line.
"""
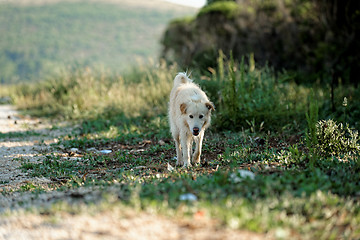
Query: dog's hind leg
x=197 y=153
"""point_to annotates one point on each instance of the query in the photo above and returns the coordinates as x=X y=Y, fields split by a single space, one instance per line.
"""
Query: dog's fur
x=189 y=116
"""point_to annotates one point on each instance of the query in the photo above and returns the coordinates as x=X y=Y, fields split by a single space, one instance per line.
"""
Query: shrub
x=228 y=8
x=284 y=34
x=245 y=94
x=335 y=140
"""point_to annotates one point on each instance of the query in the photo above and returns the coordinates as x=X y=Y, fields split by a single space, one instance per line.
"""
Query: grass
x=87 y=93
x=292 y=194
x=18 y=134
x=285 y=194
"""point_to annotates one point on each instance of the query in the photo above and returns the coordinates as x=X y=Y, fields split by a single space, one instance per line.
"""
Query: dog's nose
x=196 y=131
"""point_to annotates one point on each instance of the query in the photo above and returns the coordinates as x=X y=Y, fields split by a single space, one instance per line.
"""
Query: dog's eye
x=201 y=116
x=191 y=116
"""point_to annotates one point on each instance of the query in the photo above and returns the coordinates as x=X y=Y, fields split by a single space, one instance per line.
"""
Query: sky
x=191 y=3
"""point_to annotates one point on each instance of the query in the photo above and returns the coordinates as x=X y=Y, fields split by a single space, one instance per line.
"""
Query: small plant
x=311 y=139
x=333 y=139
x=28 y=187
x=253 y=127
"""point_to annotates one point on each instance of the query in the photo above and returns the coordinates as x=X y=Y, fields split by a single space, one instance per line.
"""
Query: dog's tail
x=181 y=78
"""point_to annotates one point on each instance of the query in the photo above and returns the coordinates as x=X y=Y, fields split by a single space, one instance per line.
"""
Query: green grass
x=42 y=39
x=18 y=134
x=292 y=195
x=88 y=94
x=285 y=194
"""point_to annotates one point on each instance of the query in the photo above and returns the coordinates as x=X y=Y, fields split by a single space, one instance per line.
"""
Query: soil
x=30 y=139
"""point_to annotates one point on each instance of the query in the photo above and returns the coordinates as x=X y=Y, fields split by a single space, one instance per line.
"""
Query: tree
x=341 y=18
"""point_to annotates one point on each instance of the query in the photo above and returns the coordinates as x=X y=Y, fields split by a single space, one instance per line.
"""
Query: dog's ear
x=183 y=108
x=210 y=106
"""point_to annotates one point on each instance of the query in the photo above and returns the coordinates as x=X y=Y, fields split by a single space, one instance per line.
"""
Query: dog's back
x=184 y=90
x=179 y=82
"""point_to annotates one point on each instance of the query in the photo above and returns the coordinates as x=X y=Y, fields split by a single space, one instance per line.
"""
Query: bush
x=245 y=95
x=228 y=8
x=335 y=140
x=316 y=39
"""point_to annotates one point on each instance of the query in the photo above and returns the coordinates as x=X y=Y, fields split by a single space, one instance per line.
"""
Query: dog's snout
x=196 y=131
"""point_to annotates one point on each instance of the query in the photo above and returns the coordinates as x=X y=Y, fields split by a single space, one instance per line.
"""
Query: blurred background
x=317 y=40
x=44 y=36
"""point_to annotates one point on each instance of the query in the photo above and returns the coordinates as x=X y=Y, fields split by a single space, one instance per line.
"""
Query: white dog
x=189 y=116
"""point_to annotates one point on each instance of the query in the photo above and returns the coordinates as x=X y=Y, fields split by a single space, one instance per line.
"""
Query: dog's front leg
x=179 y=158
x=185 y=147
x=197 y=153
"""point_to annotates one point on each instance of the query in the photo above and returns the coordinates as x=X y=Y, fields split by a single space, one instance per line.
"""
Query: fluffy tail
x=181 y=78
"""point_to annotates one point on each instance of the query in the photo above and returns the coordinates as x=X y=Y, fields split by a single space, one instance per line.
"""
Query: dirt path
x=26 y=138
x=114 y=225
x=30 y=140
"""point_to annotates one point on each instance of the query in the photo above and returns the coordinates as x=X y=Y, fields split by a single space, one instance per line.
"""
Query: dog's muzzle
x=196 y=131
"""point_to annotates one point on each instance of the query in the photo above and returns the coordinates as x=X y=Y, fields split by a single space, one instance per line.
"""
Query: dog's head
x=197 y=115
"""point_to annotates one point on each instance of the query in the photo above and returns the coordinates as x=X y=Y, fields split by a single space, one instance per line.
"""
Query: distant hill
x=41 y=37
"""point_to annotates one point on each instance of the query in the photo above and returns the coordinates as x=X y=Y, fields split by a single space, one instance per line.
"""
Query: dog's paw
x=187 y=165
x=179 y=163
x=196 y=162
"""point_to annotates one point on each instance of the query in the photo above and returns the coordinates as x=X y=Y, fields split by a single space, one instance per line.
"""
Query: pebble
x=188 y=197
x=105 y=151
x=74 y=150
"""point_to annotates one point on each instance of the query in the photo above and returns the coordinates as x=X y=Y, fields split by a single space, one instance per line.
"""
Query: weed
x=28 y=187
x=246 y=95
x=333 y=139
x=311 y=139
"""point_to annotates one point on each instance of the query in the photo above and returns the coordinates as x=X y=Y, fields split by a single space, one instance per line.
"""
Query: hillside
x=43 y=37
